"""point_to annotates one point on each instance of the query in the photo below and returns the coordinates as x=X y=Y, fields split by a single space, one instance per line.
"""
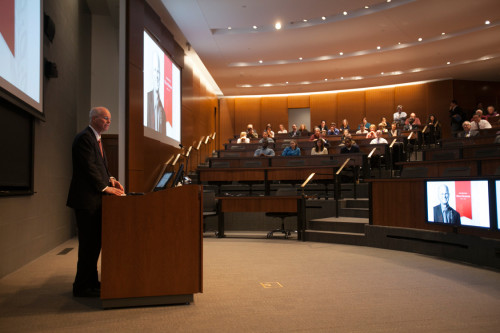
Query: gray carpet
x=272 y=285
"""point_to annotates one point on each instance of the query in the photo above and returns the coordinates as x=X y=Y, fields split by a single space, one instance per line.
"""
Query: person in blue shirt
x=333 y=129
x=291 y=150
x=264 y=150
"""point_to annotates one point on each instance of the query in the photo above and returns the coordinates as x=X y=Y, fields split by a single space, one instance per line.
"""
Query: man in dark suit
x=156 y=117
x=90 y=180
x=443 y=212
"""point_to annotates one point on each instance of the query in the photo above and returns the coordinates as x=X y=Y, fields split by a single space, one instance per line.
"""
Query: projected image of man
x=443 y=212
x=156 y=114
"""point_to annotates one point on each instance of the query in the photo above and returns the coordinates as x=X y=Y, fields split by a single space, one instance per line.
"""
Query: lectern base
x=146 y=301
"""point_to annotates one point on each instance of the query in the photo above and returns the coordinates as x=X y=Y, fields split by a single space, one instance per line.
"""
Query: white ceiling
x=232 y=55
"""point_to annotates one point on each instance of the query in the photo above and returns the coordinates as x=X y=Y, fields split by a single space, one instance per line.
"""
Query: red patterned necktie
x=100 y=147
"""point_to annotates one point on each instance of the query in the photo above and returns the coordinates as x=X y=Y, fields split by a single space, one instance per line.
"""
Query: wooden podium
x=152 y=248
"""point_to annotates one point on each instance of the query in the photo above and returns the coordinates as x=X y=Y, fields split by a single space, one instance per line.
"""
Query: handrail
x=371 y=153
x=342 y=167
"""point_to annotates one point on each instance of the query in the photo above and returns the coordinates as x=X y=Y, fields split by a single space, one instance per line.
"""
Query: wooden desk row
x=465 y=167
x=462 y=149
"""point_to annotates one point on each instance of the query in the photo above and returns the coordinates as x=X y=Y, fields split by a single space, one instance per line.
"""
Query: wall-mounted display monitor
x=458 y=203
x=21 y=53
x=497 y=191
x=162 y=94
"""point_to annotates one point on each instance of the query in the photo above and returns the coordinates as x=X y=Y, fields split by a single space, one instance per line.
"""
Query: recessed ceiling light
x=366 y=7
x=378 y=47
x=388 y=0
x=341 y=53
x=420 y=39
x=382 y=73
x=255 y=27
x=229 y=28
x=286 y=82
x=399 y=43
x=443 y=33
x=345 y=13
x=341 y=77
x=260 y=61
x=278 y=25
x=323 y=18
x=326 y=79
x=448 y=63
x=304 y=20
x=487 y=22
x=300 y=58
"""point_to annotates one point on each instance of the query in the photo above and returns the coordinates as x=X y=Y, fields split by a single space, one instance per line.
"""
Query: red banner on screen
x=8 y=24
x=167 y=86
x=463 y=198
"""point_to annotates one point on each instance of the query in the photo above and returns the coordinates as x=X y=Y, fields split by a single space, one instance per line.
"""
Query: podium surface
x=152 y=248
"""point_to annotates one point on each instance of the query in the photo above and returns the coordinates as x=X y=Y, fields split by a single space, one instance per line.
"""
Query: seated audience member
x=383 y=120
x=303 y=130
x=282 y=130
x=394 y=131
x=411 y=125
x=319 y=148
x=344 y=126
x=382 y=128
x=294 y=132
x=269 y=131
x=322 y=126
x=291 y=150
x=467 y=133
x=490 y=112
x=346 y=135
x=333 y=129
x=372 y=134
x=362 y=129
x=399 y=117
x=265 y=136
x=364 y=123
x=251 y=133
x=316 y=135
x=378 y=139
x=349 y=147
x=480 y=113
x=264 y=150
x=477 y=123
x=243 y=138
x=415 y=122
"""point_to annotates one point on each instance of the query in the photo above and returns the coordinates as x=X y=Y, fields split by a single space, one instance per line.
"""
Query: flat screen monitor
x=162 y=94
x=458 y=203
x=497 y=191
x=163 y=182
x=21 y=53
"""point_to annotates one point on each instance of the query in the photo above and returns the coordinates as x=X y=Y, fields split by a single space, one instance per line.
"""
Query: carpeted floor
x=272 y=285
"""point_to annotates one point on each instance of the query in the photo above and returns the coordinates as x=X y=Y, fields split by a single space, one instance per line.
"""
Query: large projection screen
x=162 y=95
x=20 y=52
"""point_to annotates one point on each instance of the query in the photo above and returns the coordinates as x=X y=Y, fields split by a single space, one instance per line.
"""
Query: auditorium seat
x=457 y=172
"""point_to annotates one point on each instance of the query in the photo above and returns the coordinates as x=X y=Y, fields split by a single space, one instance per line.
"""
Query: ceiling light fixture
x=443 y=33
x=487 y=22
x=420 y=39
x=448 y=63
x=255 y=27
x=229 y=28
x=378 y=47
x=366 y=7
x=277 y=25
x=260 y=61
x=304 y=20
x=323 y=18
x=300 y=58
x=345 y=13
x=341 y=53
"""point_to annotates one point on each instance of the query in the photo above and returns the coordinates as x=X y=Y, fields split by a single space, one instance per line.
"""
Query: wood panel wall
x=144 y=156
x=422 y=99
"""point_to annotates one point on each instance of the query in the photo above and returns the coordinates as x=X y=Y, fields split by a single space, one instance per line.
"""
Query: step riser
x=311 y=236
x=337 y=226
x=349 y=212
x=357 y=204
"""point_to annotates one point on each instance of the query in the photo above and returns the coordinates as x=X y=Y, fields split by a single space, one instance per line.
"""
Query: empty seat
x=414 y=172
x=457 y=172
